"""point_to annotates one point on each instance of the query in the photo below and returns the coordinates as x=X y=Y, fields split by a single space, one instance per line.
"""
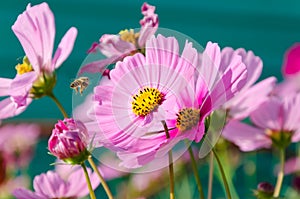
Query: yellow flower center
x=187 y=118
x=129 y=36
x=146 y=101
x=25 y=67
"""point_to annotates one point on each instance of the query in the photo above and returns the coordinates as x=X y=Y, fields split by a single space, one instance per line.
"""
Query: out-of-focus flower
x=11 y=184
x=52 y=185
x=252 y=95
x=276 y=122
x=127 y=42
x=69 y=141
x=292 y=165
x=264 y=190
x=291 y=63
x=296 y=183
x=130 y=103
x=17 y=142
x=35 y=29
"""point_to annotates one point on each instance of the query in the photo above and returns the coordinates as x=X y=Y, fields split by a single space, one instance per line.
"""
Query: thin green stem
x=171 y=167
x=92 y=194
x=196 y=173
x=58 y=104
x=280 y=173
x=222 y=174
x=104 y=184
x=211 y=175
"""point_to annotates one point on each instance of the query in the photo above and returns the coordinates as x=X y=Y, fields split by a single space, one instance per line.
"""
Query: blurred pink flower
x=276 y=121
x=69 y=140
x=127 y=42
x=292 y=165
x=11 y=184
x=251 y=95
x=35 y=29
x=17 y=143
x=127 y=105
x=291 y=63
x=52 y=185
x=187 y=110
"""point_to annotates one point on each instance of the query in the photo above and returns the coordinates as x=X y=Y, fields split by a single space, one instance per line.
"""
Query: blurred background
x=267 y=27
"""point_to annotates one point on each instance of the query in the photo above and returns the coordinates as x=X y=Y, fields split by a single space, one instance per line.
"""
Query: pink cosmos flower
x=35 y=29
x=252 y=95
x=127 y=105
x=69 y=141
x=276 y=121
x=292 y=165
x=17 y=143
x=291 y=63
x=11 y=184
x=187 y=111
x=127 y=42
x=52 y=185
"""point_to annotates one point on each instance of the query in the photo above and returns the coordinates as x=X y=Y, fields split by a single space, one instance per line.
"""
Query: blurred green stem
x=280 y=173
x=171 y=169
x=58 y=104
x=104 y=184
x=92 y=194
x=196 y=173
x=222 y=174
x=211 y=175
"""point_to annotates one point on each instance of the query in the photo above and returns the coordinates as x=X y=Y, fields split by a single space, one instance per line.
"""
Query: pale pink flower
x=151 y=79
x=17 y=143
x=52 y=185
x=276 y=121
x=127 y=42
x=35 y=29
x=188 y=109
x=69 y=141
x=252 y=95
x=292 y=165
x=11 y=184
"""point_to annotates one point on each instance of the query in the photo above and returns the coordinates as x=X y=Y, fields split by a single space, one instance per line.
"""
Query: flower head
x=35 y=29
x=138 y=87
x=69 y=141
x=276 y=122
x=53 y=185
x=127 y=42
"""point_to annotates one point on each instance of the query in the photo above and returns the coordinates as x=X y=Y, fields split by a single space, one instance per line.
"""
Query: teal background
x=268 y=27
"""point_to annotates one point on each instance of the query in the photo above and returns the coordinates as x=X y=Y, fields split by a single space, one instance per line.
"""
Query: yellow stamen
x=129 y=36
x=25 y=67
x=146 y=101
x=187 y=118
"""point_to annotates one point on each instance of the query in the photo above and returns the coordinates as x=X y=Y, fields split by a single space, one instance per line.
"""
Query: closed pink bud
x=69 y=140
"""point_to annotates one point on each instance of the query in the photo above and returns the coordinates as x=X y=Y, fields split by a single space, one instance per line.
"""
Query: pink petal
x=35 y=29
x=8 y=108
x=247 y=138
x=292 y=165
x=64 y=48
x=248 y=100
x=113 y=45
x=5 y=84
x=291 y=115
x=21 y=193
x=269 y=115
x=291 y=64
x=22 y=84
x=210 y=63
x=99 y=66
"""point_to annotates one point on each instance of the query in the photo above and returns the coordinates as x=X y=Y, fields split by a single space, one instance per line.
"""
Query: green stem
x=196 y=173
x=222 y=174
x=58 y=104
x=104 y=184
x=211 y=175
x=280 y=173
x=171 y=168
x=92 y=194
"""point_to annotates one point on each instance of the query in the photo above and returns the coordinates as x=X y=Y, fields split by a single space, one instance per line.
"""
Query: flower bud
x=264 y=190
x=68 y=141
